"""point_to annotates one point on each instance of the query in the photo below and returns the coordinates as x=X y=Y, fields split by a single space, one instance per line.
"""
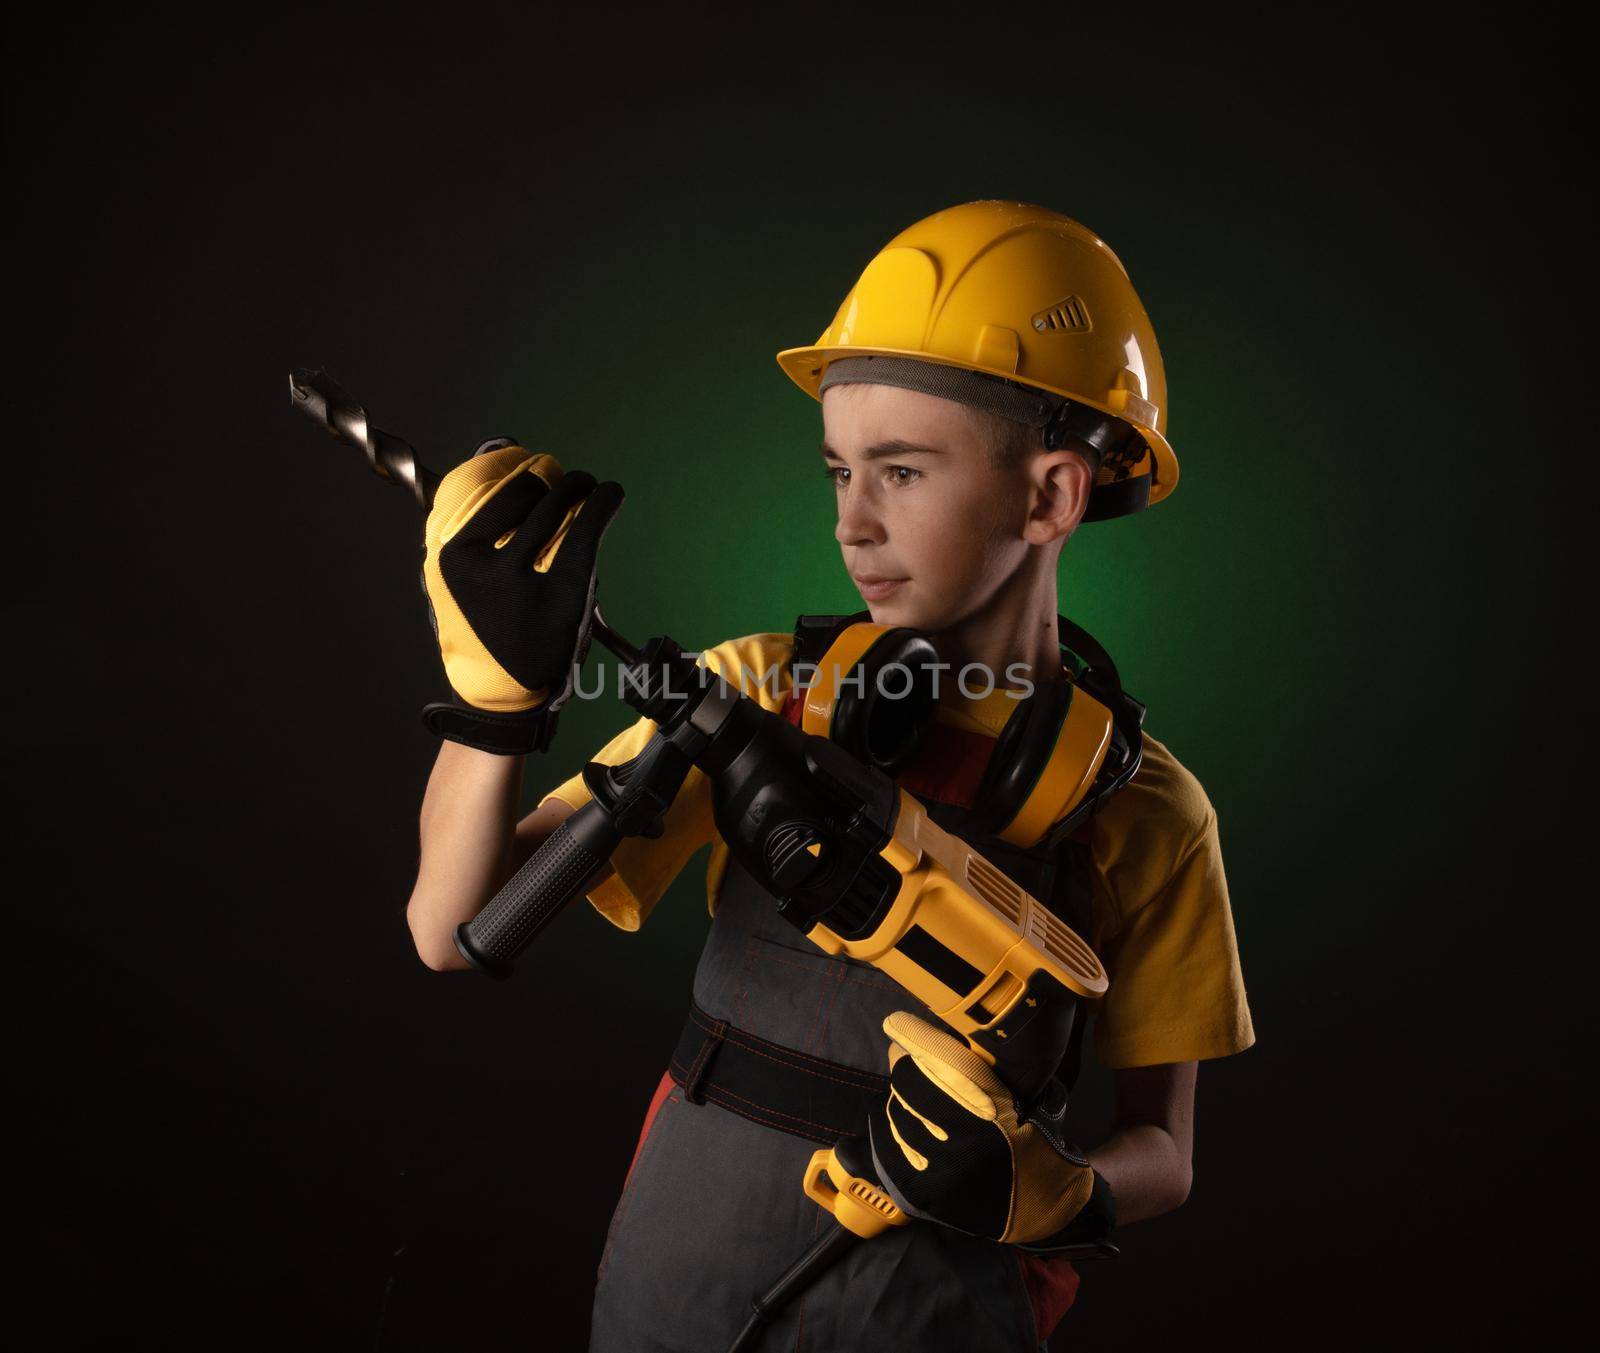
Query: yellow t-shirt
x=1163 y=925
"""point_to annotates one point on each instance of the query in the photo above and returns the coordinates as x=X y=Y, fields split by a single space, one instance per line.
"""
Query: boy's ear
x=1060 y=484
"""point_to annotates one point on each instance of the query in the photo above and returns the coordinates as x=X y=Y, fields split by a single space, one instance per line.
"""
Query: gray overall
x=713 y=1211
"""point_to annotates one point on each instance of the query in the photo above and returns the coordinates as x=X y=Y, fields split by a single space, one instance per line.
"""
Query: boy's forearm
x=1145 y=1169
x=468 y=818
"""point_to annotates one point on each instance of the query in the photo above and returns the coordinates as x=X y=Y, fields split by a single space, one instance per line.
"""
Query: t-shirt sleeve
x=1166 y=930
x=644 y=867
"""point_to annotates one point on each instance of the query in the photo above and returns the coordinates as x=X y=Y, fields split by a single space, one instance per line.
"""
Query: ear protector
x=1066 y=748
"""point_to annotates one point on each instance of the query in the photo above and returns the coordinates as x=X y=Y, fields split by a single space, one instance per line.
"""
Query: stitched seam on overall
x=820 y=1075
x=767 y=1108
x=799 y=1061
x=821 y=1018
x=703 y=1053
x=880 y=1085
x=887 y=984
x=822 y=1133
x=747 y=959
x=741 y=982
x=628 y=1190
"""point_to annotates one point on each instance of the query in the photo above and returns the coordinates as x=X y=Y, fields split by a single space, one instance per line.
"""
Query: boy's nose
x=858 y=523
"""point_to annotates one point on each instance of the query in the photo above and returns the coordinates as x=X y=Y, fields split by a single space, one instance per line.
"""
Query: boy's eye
x=899 y=475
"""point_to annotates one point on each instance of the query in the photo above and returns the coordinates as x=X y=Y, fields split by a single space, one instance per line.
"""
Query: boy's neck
x=1017 y=626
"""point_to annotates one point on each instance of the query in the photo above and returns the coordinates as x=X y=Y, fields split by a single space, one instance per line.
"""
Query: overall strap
x=771 y=1084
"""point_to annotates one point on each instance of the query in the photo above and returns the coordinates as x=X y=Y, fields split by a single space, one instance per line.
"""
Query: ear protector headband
x=1065 y=749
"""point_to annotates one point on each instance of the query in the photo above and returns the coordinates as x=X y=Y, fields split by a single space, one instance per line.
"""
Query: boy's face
x=920 y=502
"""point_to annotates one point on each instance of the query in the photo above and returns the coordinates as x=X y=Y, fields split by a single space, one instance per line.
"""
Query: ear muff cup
x=1022 y=751
x=881 y=718
x=1067 y=747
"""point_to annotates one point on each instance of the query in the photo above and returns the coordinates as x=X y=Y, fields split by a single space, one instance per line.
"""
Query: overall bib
x=712 y=1211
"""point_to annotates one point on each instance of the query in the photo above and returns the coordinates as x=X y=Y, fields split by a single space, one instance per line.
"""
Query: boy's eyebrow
x=878 y=450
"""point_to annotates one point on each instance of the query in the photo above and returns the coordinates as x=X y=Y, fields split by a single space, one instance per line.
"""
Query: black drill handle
x=538 y=892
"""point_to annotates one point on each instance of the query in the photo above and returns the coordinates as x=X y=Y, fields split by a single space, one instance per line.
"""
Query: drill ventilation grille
x=995 y=888
x=1064 y=946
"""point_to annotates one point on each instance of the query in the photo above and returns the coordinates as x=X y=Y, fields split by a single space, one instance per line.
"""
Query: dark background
x=248 y=1115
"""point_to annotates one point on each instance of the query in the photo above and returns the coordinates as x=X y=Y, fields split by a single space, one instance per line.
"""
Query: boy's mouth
x=874 y=587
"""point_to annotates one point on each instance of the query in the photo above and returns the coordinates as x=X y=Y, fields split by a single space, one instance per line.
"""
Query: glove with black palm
x=950 y=1146
x=510 y=571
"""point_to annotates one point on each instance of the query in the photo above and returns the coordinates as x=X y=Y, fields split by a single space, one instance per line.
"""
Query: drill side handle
x=629 y=800
x=538 y=892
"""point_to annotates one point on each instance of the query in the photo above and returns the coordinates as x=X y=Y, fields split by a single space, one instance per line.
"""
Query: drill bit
x=325 y=402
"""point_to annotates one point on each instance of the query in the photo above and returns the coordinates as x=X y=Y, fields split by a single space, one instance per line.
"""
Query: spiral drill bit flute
x=325 y=402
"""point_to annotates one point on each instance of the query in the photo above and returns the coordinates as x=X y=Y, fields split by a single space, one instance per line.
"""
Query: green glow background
x=1362 y=240
x=1302 y=616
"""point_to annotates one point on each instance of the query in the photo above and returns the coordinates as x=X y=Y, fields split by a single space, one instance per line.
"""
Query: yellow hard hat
x=1028 y=296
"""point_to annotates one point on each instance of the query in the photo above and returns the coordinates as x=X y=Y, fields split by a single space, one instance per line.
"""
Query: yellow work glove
x=510 y=570
x=949 y=1146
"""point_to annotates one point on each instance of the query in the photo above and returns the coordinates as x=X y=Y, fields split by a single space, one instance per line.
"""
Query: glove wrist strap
x=502 y=734
x=1088 y=1234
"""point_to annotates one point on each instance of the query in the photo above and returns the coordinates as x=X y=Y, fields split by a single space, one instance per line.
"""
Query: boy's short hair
x=1014 y=416
x=1011 y=444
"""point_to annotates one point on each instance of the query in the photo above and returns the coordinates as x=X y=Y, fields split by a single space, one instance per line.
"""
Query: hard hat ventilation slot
x=1068 y=315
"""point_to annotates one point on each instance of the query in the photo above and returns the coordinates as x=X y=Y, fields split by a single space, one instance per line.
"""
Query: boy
x=990 y=382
